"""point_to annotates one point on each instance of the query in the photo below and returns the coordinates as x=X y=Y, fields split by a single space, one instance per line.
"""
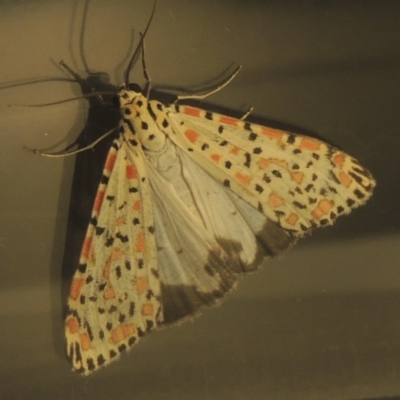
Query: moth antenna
x=34 y=81
x=145 y=72
x=120 y=65
x=138 y=48
x=82 y=37
x=94 y=94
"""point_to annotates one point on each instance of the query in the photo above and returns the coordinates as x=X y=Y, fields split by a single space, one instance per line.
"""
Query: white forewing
x=296 y=181
x=115 y=293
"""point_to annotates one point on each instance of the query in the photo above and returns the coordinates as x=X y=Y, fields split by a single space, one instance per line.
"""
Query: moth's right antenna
x=135 y=54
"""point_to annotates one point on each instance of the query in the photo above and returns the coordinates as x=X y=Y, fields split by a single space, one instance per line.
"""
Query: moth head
x=127 y=94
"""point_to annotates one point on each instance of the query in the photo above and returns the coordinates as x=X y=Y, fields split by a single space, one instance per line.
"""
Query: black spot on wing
x=247 y=162
x=291 y=139
x=299 y=205
x=100 y=360
x=253 y=136
x=90 y=364
x=99 y=230
x=350 y=202
x=82 y=268
x=104 y=179
x=315 y=156
x=121 y=237
x=259 y=188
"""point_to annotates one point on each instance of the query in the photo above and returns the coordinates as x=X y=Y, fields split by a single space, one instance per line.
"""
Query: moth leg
x=247 y=113
x=73 y=152
x=227 y=81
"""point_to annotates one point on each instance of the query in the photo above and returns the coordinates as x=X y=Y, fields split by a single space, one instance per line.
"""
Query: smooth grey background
x=320 y=322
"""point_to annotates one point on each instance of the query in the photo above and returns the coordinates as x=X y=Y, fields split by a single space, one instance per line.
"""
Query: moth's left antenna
x=82 y=36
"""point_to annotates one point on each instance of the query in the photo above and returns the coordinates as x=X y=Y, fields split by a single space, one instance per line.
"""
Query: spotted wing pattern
x=189 y=200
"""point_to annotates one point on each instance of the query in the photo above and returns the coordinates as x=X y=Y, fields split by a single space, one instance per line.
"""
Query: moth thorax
x=149 y=134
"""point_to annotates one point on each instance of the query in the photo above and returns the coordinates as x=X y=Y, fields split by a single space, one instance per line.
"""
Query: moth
x=189 y=200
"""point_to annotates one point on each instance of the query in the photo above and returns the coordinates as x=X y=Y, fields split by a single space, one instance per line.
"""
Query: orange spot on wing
x=297 y=176
x=109 y=294
x=215 y=157
x=345 y=179
x=137 y=205
x=309 y=144
x=76 y=287
x=86 y=344
x=99 y=201
x=281 y=163
x=263 y=163
x=129 y=329
x=323 y=208
x=266 y=162
x=292 y=219
x=326 y=205
x=120 y=221
x=339 y=159
x=110 y=162
x=106 y=271
x=86 y=247
x=142 y=284
x=228 y=120
x=275 y=201
x=191 y=135
x=115 y=255
x=72 y=325
x=147 y=309
x=243 y=179
x=272 y=133
x=194 y=112
x=121 y=332
x=235 y=150
x=117 y=334
x=140 y=242
x=131 y=172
